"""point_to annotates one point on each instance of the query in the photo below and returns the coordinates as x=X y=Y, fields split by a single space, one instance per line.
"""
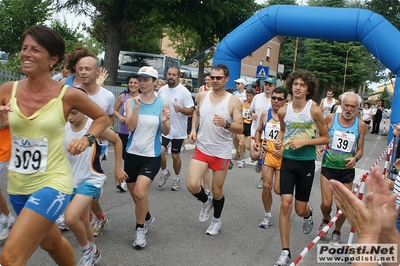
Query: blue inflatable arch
x=378 y=35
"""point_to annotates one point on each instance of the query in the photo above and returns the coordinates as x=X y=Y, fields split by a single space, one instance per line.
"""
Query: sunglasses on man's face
x=277 y=98
x=217 y=77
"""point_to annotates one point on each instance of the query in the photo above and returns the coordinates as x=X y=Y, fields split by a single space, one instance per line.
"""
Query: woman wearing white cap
x=146 y=118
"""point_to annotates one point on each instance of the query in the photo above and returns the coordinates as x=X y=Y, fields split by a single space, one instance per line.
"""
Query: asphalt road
x=178 y=238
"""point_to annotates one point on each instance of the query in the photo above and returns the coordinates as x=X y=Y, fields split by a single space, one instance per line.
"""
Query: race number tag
x=272 y=130
x=246 y=114
x=28 y=156
x=343 y=141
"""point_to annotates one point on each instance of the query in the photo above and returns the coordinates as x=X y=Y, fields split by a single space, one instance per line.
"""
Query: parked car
x=131 y=62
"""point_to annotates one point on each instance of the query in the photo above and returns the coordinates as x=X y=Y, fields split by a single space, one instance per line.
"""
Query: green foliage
x=184 y=41
x=389 y=9
x=71 y=36
x=16 y=16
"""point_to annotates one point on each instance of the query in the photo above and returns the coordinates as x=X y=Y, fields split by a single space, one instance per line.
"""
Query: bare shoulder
x=235 y=100
x=5 y=92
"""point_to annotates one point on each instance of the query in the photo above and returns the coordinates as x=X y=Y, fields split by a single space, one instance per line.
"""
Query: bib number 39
x=28 y=155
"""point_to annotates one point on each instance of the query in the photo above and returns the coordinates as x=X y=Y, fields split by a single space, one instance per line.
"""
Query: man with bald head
x=87 y=70
x=345 y=148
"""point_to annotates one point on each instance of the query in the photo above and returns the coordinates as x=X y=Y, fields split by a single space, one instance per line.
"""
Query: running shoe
x=258 y=167
x=308 y=224
x=266 y=223
x=242 y=164
x=260 y=183
x=163 y=179
x=96 y=256
x=11 y=220
x=214 y=227
x=99 y=228
x=140 y=238
x=205 y=210
x=86 y=257
x=335 y=238
x=237 y=156
x=175 y=185
x=61 y=223
x=147 y=223
x=122 y=187
x=207 y=192
x=230 y=165
x=284 y=259
x=4 y=229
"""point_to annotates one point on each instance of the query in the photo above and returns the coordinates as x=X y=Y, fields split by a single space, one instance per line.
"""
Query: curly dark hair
x=77 y=54
x=308 y=77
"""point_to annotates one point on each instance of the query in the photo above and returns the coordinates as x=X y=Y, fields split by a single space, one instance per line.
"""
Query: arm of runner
x=117 y=105
x=132 y=113
x=165 y=114
x=279 y=139
x=78 y=100
x=119 y=173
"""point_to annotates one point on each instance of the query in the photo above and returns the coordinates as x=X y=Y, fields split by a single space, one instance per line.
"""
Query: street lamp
x=345 y=67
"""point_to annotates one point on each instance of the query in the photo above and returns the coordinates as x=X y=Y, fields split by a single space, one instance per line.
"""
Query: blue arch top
x=377 y=34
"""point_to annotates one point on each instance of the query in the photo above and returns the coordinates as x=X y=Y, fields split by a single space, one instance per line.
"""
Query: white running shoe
x=205 y=210
x=163 y=179
x=175 y=185
x=4 y=229
x=284 y=259
x=122 y=187
x=242 y=164
x=11 y=220
x=140 y=238
x=214 y=227
x=148 y=222
x=61 y=223
x=98 y=230
x=87 y=257
x=308 y=224
x=266 y=223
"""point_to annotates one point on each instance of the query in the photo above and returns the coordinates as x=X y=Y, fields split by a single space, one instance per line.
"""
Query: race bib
x=28 y=155
x=272 y=130
x=246 y=114
x=343 y=141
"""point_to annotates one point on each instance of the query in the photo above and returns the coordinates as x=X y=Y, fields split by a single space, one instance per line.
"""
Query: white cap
x=241 y=81
x=148 y=72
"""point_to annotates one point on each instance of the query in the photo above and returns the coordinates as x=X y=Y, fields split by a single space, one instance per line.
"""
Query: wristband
x=356 y=159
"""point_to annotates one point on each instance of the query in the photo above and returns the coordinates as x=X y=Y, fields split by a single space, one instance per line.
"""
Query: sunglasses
x=217 y=77
x=277 y=98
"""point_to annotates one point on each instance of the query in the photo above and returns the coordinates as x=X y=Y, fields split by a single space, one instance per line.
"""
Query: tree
x=16 y=16
x=74 y=36
x=211 y=20
x=184 y=41
x=389 y=9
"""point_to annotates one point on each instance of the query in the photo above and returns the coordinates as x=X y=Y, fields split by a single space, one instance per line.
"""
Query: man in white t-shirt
x=240 y=93
x=181 y=106
x=87 y=69
x=260 y=103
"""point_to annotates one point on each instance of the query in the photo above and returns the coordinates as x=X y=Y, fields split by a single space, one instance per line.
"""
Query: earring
x=51 y=67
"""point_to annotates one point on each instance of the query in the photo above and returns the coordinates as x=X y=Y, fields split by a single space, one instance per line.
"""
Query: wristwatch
x=91 y=138
x=228 y=124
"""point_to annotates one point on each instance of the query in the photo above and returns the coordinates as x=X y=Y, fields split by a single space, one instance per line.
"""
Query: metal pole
x=345 y=67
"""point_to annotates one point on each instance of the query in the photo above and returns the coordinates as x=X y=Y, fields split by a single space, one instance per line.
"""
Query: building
x=266 y=55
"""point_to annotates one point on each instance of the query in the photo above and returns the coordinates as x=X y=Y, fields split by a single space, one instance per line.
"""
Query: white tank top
x=211 y=139
x=328 y=106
